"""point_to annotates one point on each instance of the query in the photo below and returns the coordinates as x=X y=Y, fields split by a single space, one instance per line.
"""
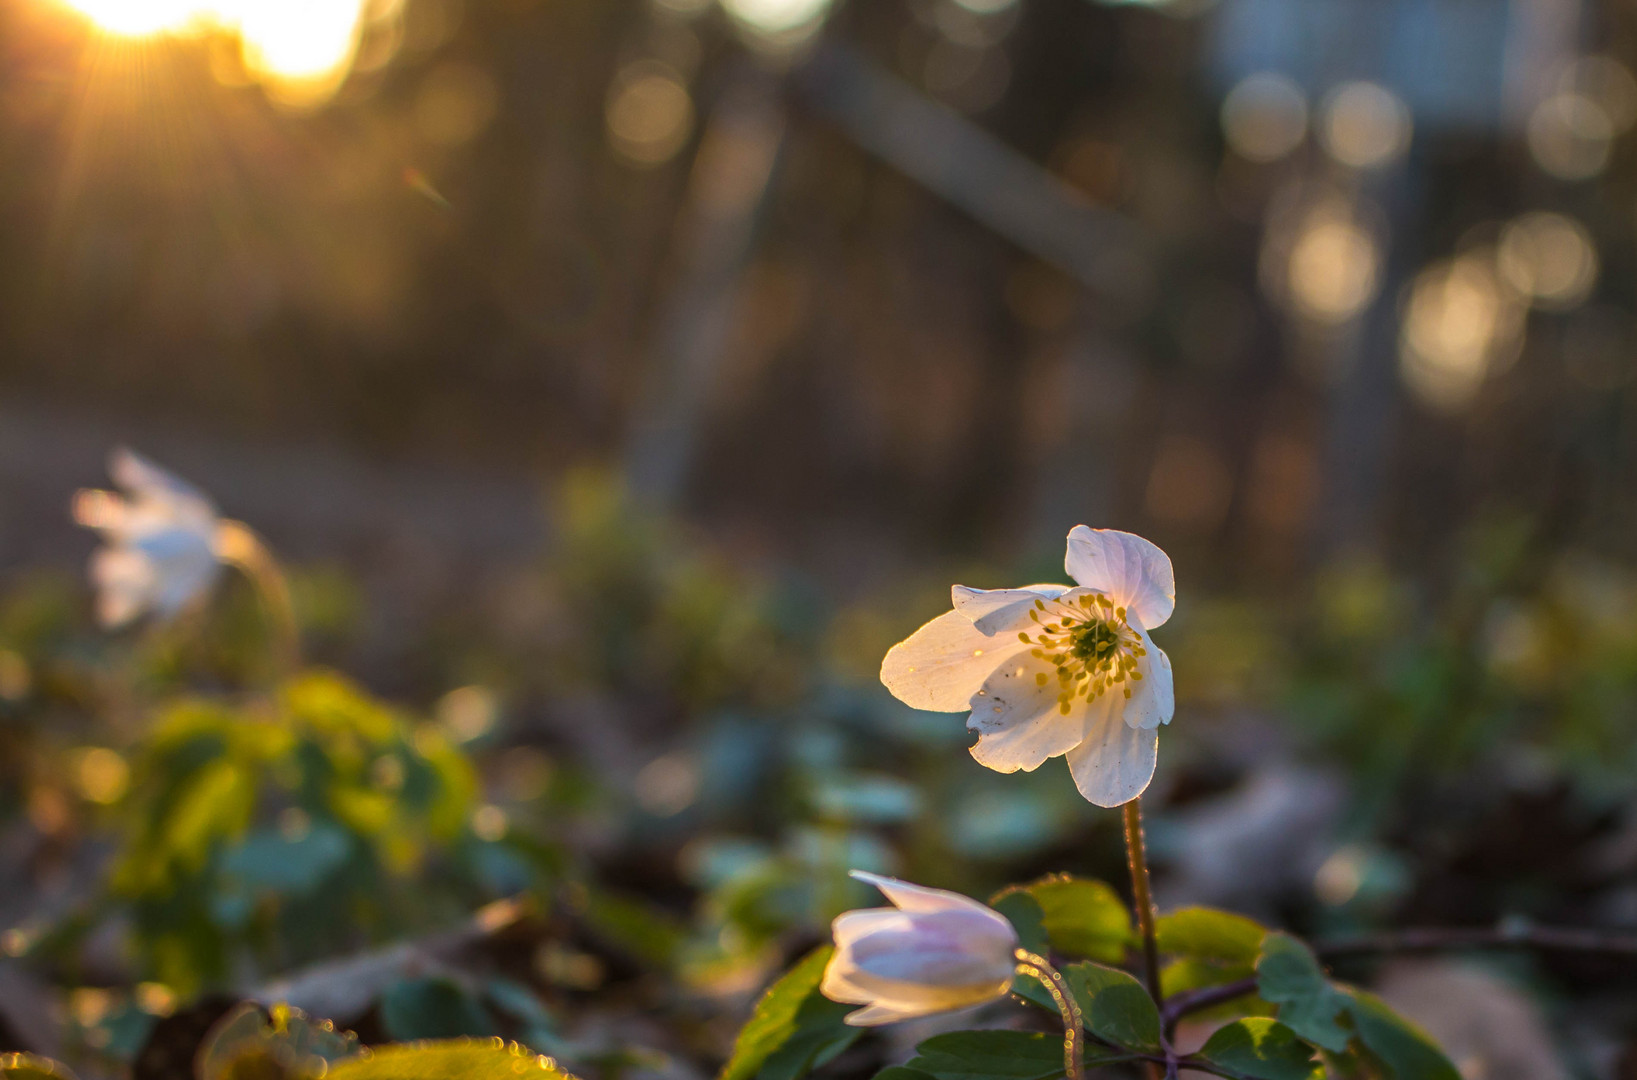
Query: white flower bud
x=160 y=537
x=933 y=952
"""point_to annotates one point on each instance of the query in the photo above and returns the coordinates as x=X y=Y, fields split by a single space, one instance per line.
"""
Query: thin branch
x=1425 y=939
x=1191 y=1001
x=1437 y=939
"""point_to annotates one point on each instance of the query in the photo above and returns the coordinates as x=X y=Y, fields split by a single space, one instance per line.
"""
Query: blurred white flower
x=1048 y=670
x=933 y=952
x=160 y=538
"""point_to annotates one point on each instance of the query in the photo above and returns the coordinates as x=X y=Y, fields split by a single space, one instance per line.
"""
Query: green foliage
x=1002 y=1055
x=1023 y=911
x=250 y=825
x=458 y=1059
x=1208 y=934
x=793 y=1029
x=902 y=1072
x=1117 y=1008
x=1289 y=975
x=432 y=1008
x=283 y=1044
x=1330 y=1015
x=1314 y=1013
x=658 y=611
x=1080 y=916
x=1207 y=948
x=29 y=1067
x=1404 y=1049
x=1261 y=1049
x=640 y=930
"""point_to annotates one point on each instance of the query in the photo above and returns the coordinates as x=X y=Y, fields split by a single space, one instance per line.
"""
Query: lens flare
x=138 y=18
x=299 y=50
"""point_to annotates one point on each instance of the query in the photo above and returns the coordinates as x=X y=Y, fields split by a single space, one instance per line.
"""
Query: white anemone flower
x=932 y=952
x=161 y=541
x=1050 y=670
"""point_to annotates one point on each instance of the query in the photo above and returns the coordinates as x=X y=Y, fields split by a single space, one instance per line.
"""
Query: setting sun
x=299 y=50
x=140 y=18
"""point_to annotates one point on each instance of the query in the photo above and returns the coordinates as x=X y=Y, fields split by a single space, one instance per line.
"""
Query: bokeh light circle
x=1365 y=125
x=1264 y=117
x=1549 y=258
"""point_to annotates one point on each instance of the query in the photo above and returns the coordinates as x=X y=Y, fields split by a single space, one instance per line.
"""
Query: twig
x=1425 y=939
x=1439 y=939
x=343 y=990
x=1190 y=1001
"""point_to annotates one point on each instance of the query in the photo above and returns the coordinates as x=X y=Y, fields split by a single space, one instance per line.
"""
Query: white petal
x=137 y=474
x=995 y=611
x=185 y=567
x=950 y=952
x=917 y=998
x=918 y=898
x=838 y=984
x=941 y=665
x=882 y=1014
x=124 y=580
x=1116 y=761
x=1153 y=697
x=1135 y=574
x=1018 y=720
x=97 y=509
x=849 y=926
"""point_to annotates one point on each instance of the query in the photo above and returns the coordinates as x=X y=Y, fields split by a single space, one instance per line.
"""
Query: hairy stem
x=239 y=546
x=1142 y=897
x=1074 y=1036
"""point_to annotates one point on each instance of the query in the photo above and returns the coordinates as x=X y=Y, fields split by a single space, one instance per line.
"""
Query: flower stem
x=1142 y=897
x=239 y=546
x=1074 y=1036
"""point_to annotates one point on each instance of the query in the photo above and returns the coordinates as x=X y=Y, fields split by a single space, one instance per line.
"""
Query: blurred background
x=620 y=378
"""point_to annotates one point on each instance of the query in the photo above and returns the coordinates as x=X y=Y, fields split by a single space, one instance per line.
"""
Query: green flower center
x=1090 y=644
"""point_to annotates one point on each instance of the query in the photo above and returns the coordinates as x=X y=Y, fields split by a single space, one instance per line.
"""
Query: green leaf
x=1289 y=976
x=639 y=928
x=1083 y=917
x=793 y=1027
x=519 y=1001
x=901 y=1072
x=998 y=1055
x=1117 y=1008
x=1025 y=915
x=1261 y=1049
x=1208 y=934
x=267 y=859
x=457 y=1059
x=432 y=1008
x=1401 y=1046
x=29 y=1067
x=1209 y=948
x=1190 y=974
